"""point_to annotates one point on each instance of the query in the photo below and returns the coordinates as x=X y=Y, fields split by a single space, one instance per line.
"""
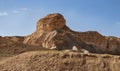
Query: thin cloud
x=15 y=11
x=118 y=23
x=3 y=13
x=20 y=10
x=23 y=9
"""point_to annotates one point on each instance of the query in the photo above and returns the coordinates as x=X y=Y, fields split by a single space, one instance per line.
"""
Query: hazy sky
x=19 y=17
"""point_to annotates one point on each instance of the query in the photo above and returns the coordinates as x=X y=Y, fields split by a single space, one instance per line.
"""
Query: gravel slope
x=60 y=61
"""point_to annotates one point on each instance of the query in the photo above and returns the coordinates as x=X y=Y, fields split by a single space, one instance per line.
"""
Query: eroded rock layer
x=52 y=33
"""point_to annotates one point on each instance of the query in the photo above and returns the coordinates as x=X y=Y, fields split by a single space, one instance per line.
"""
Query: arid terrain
x=55 y=47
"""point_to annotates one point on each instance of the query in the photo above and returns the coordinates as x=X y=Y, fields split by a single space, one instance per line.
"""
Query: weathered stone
x=15 y=38
x=51 y=22
x=74 y=48
x=103 y=43
x=52 y=33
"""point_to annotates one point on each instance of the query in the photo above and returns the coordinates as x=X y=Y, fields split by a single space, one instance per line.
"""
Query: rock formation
x=52 y=33
x=106 y=44
x=28 y=53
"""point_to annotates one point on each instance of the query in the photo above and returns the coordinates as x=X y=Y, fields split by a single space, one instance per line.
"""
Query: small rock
x=74 y=48
x=53 y=48
x=84 y=51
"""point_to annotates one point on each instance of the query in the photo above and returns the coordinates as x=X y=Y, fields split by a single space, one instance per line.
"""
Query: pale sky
x=19 y=17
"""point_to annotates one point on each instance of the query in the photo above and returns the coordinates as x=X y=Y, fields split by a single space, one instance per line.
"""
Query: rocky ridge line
x=52 y=33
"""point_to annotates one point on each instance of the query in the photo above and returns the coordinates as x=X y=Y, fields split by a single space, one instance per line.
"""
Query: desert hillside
x=10 y=46
x=60 y=61
x=55 y=47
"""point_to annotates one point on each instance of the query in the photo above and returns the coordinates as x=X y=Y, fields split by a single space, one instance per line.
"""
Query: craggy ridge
x=52 y=33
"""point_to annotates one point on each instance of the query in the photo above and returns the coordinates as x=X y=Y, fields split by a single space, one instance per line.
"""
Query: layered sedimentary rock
x=106 y=44
x=113 y=45
x=52 y=32
x=19 y=39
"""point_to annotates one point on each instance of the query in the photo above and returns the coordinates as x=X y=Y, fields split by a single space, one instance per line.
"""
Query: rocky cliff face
x=106 y=44
x=113 y=45
x=52 y=33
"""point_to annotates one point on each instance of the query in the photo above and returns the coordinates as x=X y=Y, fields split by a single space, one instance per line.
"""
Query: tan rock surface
x=60 y=61
x=19 y=39
x=9 y=47
x=106 y=44
x=51 y=22
x=52 y=32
